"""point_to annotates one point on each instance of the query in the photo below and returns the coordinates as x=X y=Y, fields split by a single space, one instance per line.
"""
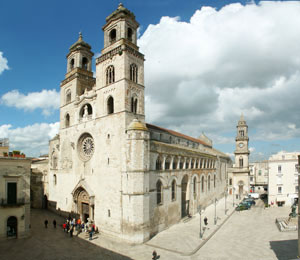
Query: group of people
x=72 y=224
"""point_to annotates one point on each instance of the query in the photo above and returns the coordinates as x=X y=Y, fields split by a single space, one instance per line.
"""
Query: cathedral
x=107 y=165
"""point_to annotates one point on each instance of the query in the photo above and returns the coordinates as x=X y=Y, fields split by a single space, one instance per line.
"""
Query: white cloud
x=3 y=63
x=31 y=140
x=200 y=75
x=251 y=149
x=47 y=100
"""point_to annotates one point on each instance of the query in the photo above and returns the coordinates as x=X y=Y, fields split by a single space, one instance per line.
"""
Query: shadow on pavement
x=52 y=243
x=285 y=249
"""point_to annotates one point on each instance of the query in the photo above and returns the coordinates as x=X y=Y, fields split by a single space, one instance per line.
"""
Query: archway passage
x=12 y=227
x=241 y=188
x=184 y=201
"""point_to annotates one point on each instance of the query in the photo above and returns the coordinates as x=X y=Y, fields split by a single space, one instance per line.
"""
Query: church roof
x=80 y=42
x=121 y=11
x=154 y=127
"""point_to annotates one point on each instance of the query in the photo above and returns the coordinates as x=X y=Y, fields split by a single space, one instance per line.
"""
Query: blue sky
x=220 y=61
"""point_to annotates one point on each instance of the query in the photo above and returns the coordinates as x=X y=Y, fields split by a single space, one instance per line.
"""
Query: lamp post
x=215 y=211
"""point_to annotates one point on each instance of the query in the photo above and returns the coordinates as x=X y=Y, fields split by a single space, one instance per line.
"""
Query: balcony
x=17 y=203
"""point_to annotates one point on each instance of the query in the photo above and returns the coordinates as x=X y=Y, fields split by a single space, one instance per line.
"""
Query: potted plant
x=5 y=154
x=16 y=153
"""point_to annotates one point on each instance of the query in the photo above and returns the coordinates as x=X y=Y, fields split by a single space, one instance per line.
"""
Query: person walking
x=71 y=231
x=54 y=223
x=205 y=221
x=65 y=227
x=46 y=223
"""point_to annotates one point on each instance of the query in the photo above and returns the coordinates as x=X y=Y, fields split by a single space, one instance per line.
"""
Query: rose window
x=86 y=147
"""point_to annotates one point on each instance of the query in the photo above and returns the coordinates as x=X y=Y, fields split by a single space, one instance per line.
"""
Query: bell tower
x=241 y=169
x=120 y=68
x=79 y=78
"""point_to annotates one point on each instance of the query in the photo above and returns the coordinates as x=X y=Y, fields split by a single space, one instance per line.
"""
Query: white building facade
x=259 y=176
x=131 y=178
x=283 y=178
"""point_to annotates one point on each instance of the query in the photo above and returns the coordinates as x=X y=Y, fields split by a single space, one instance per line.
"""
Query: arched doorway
x=12 y=227
x=241 y=188
x=184 y=198
x=84 y=207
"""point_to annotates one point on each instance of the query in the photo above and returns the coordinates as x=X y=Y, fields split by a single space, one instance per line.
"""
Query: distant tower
x=241 y=170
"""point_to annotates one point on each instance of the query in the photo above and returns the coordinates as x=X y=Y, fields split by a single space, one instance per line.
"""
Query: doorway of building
x=184 y=200
x=12 y=227
x=241 y=188
x=83 y=204
x=85 y=211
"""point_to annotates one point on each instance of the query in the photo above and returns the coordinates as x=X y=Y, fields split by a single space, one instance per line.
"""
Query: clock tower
x=241 y=168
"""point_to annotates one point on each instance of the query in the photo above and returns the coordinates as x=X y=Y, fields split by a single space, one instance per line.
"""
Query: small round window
x=86 y=147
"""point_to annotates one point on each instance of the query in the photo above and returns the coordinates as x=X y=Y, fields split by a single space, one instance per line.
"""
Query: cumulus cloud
x=31 y=140
x=3 y=63
x=202 y=74
x=47 y=100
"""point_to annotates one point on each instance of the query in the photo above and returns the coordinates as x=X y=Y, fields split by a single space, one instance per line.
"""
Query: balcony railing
x=18 y=202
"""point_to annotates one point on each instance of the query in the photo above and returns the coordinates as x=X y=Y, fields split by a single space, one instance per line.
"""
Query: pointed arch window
x=54 y=179
x=173 y=190
x=175 y=163
x=134 y=104
x=241 y=162
x=158 y=192
x=134 y=72
x=72 y=64
x=67 y=120
x=110 y=105
x=167 y=163
x=110 y=74
x=68 y=96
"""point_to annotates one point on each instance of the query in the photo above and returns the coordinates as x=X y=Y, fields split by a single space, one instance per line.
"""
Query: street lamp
x=215 y=211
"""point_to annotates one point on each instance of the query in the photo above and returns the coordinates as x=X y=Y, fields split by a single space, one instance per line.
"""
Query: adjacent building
x=107 y=164
x=14 y=197
x=283 y=178
x=259 y=176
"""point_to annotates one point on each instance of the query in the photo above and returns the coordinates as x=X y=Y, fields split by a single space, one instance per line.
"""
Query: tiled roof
x=154 y=127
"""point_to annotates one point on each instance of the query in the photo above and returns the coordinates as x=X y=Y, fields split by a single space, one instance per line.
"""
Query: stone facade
x=259 y=174
x=106 y=164
x=283 y=178
x=14 y=197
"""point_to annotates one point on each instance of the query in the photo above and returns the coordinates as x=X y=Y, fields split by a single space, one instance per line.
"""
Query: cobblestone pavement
x=52 y=243
x=244 y=235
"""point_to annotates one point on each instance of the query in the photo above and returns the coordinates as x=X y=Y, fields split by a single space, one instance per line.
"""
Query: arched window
x=110 y=74
x=134 y=104
x=129 y=34
x=202 y=184
x=230 y=181
x=85 y=62
x=72 y=64
x=112 y=35
x=192 y=164
x=196 y=164
x=208 y=183
x=158 y=164
x=54 y=160
x=241 y=162
x=214 y=181
x=86 y=111
x=181 y=164
x=158 y=192
x=173 y=190
x=54 y=179
x=110 y=105
x=195 y=187
x=68 y=96
x=12 y=227
x=67 y=120
x=134 y=72
x=187 y=164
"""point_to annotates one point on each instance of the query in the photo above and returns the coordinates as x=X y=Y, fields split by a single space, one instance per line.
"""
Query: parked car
x=245 y=204
x=250 y=200
x=241 y=207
